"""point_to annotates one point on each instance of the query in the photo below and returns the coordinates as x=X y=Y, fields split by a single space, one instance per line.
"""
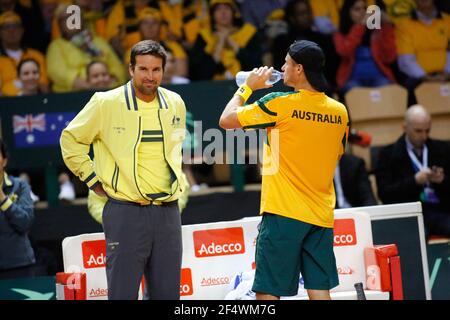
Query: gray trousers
x=142 y=240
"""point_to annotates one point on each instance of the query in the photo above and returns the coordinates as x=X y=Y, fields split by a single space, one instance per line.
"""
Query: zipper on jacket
x=134 y=160
x=164 y=153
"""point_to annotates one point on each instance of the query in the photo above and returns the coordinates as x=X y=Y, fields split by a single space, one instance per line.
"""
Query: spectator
x=256 y=12
x=29 y=73
x=91 y=15
x=180 y=21
x=66 y=191
x=195 y=17
x=122 y=23
x=31 y=16
x=365 y=54
x=225 y=49
x=399 y=9
x=25 y=177
x=352 y=184
x=149 y=26
x=16 y=217
x=183 y=19
x=299 y=17
x=416 y=168
x=12 y=52
x=27 y=83
x=48 y=8
x=422 y=42
x=98 y=76
x=326 y=15
x=170 y=71
x=68 y=56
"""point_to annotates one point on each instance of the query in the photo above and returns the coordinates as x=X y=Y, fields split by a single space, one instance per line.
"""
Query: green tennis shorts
x=286 y=247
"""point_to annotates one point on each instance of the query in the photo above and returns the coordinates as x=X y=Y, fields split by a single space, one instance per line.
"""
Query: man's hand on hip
x=98 y=189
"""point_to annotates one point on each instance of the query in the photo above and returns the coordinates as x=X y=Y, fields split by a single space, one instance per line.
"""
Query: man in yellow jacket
x=137 y=132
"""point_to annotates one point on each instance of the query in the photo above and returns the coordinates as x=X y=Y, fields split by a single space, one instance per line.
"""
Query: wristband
x=244 y=91
x=6 y=203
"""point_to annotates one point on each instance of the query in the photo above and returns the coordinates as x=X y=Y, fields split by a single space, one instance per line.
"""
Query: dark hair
x=237 y=20
x=149 y=47
x=22 y=62
x=88 y=67
x=346 y=21
x=3 y=149
x=290 y=6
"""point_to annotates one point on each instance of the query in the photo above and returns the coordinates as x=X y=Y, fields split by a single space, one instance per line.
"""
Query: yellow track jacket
x=110 y=123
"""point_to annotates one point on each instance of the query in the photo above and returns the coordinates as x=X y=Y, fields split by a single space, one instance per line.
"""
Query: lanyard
x=416 y=161
x=428 y=194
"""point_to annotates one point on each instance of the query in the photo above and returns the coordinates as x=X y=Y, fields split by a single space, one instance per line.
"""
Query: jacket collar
x=400 y=146
x=132 y=103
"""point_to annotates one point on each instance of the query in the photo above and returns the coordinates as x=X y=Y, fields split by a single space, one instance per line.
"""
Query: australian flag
x=38 y=130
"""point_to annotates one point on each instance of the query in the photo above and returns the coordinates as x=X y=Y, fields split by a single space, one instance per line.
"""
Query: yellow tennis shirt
x=152 y=168
x=307 y=133
x=428 y=42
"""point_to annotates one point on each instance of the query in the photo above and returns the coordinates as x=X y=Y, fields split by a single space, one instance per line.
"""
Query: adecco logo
x=94 y=254
x=186 y=282
x=219 y=242
x=214 y=281
x=344 y=232
x=346 y=270
x=99 y=292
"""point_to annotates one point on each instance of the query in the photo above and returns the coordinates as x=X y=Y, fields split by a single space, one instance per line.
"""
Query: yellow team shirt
x=429 y=43
x=330 y=9
x=65 y=62
x=399 y=9
x=8 y=71
x=229 y=59
x=307 y=133
x=152 y=169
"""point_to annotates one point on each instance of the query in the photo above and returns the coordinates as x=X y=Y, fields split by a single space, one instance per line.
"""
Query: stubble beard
x=146 y=91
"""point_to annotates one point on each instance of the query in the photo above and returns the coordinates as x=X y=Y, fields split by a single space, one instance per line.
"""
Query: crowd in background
x=43 y=49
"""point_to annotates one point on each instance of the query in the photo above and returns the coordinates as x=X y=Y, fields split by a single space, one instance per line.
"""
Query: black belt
x=162 y=203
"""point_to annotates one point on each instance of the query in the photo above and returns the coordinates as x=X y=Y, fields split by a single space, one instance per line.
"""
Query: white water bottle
x=241 y=76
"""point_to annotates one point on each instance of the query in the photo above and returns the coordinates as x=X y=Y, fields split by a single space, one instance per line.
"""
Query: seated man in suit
x=413 y=169
x=352 y=184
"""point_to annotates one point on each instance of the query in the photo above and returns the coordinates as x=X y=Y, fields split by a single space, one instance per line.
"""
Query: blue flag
x=38 y=130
